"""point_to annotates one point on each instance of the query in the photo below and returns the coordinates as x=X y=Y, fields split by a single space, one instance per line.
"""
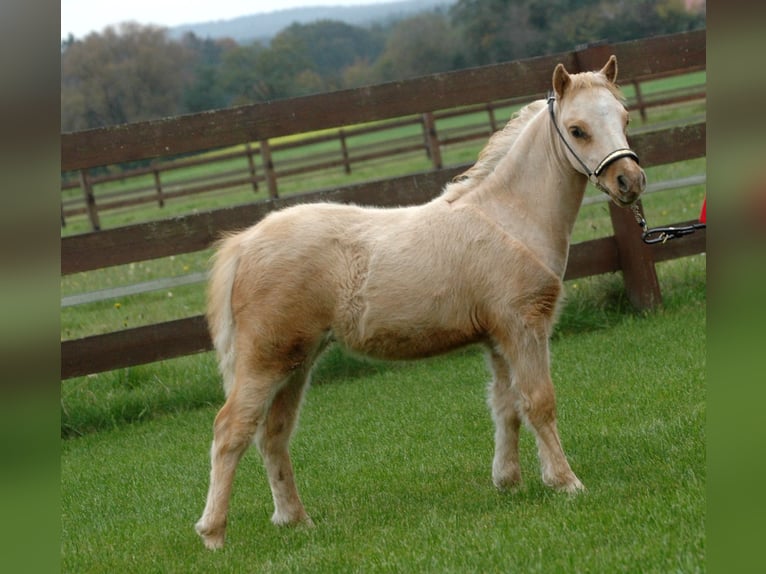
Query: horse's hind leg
x=273 y=440
x=531 y=382
x=234 y=429
x=506 y=471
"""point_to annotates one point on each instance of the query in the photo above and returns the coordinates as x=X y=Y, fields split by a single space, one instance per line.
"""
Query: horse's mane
x=497 y=147
x=501 y=141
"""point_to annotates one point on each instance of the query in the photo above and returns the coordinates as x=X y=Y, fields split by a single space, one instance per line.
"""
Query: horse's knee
x=539 y=404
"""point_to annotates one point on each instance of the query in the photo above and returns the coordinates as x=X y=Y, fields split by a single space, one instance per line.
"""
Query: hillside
x=263 y=27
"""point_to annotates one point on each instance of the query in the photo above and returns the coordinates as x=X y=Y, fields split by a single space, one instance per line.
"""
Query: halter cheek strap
x=604 y=163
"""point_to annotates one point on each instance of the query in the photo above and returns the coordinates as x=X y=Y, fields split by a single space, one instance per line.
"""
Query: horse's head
x=592 y=123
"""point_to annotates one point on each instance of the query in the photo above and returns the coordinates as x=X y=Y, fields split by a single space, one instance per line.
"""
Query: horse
x=481 y=263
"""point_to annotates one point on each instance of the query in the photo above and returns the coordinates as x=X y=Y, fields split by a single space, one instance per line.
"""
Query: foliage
x=417 y=46
x=206 y=89
x=329 y=47
x=494 y=30
x=126 y=74
x=133 y=72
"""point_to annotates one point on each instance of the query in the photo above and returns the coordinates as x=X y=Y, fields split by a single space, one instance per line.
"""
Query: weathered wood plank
x=592 y=257
x=662 y=146
x=135 y=346
x=256 y=122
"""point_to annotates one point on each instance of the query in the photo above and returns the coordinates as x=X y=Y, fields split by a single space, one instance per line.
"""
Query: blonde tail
x=219 y=314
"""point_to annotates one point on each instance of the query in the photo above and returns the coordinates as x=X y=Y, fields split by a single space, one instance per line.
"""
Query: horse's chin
x=623 y=200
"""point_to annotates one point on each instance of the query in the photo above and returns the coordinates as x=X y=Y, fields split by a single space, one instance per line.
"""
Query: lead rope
x=662 y=234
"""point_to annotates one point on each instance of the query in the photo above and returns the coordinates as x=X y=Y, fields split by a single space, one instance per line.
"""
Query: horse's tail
x=220 y=318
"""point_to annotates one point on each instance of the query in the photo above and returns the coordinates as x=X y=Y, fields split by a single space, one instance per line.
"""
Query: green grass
x=393 y=459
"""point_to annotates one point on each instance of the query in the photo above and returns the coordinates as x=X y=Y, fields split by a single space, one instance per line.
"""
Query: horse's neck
x=534 y=195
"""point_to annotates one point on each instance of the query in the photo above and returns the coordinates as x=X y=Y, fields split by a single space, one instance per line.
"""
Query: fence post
x=640 y=101
x=344 y=151
x=636 y=261
x=90 y=200
x=432 y=140
x=251 y=165
x=492 y=120
x=268 y=165
x=158 y=185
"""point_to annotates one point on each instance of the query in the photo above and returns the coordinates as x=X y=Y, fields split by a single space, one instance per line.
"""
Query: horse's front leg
x=536 y=402
x=506 y=470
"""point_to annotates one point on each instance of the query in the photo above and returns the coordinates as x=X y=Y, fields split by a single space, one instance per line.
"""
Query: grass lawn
x=393 y=459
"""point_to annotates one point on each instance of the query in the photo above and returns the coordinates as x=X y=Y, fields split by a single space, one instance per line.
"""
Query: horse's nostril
x=623 y=184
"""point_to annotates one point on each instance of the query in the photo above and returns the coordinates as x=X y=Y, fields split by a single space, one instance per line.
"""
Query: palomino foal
x=482 y=263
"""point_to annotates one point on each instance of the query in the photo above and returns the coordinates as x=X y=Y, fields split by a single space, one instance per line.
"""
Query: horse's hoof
x=573 y=486
x=301 y=519
x=506 y=476
x=510 y=483
x=212 y=539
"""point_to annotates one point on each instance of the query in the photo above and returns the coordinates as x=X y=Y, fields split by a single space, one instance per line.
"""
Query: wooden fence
x=259 y=122
x=257 y=166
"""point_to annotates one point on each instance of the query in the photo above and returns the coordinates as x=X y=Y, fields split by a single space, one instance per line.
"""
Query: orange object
x=703 y=213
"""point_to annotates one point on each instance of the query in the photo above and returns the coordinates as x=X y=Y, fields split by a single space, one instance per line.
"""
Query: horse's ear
x=561 y=80
x=610 y=69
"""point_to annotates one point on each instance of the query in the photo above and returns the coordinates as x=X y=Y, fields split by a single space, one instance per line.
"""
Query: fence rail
x=268 y=171
x=623 y=251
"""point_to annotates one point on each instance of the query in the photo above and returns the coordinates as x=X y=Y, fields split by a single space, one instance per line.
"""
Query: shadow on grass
x=593 y=304
x=336 y=364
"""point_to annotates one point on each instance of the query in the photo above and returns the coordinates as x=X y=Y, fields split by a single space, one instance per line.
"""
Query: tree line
x=135 y=72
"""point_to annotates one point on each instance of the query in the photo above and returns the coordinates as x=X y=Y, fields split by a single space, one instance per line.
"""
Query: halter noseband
x=606 y=162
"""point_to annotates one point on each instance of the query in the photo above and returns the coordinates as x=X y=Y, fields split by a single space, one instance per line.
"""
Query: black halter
x=606 y=162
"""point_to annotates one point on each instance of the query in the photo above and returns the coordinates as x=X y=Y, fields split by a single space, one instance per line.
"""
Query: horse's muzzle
x=624 y=181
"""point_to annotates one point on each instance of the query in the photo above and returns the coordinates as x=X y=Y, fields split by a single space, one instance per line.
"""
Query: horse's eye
x=577 y=132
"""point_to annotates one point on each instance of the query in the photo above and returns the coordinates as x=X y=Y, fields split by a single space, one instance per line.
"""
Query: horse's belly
x=406 y=333
x=402 y=344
